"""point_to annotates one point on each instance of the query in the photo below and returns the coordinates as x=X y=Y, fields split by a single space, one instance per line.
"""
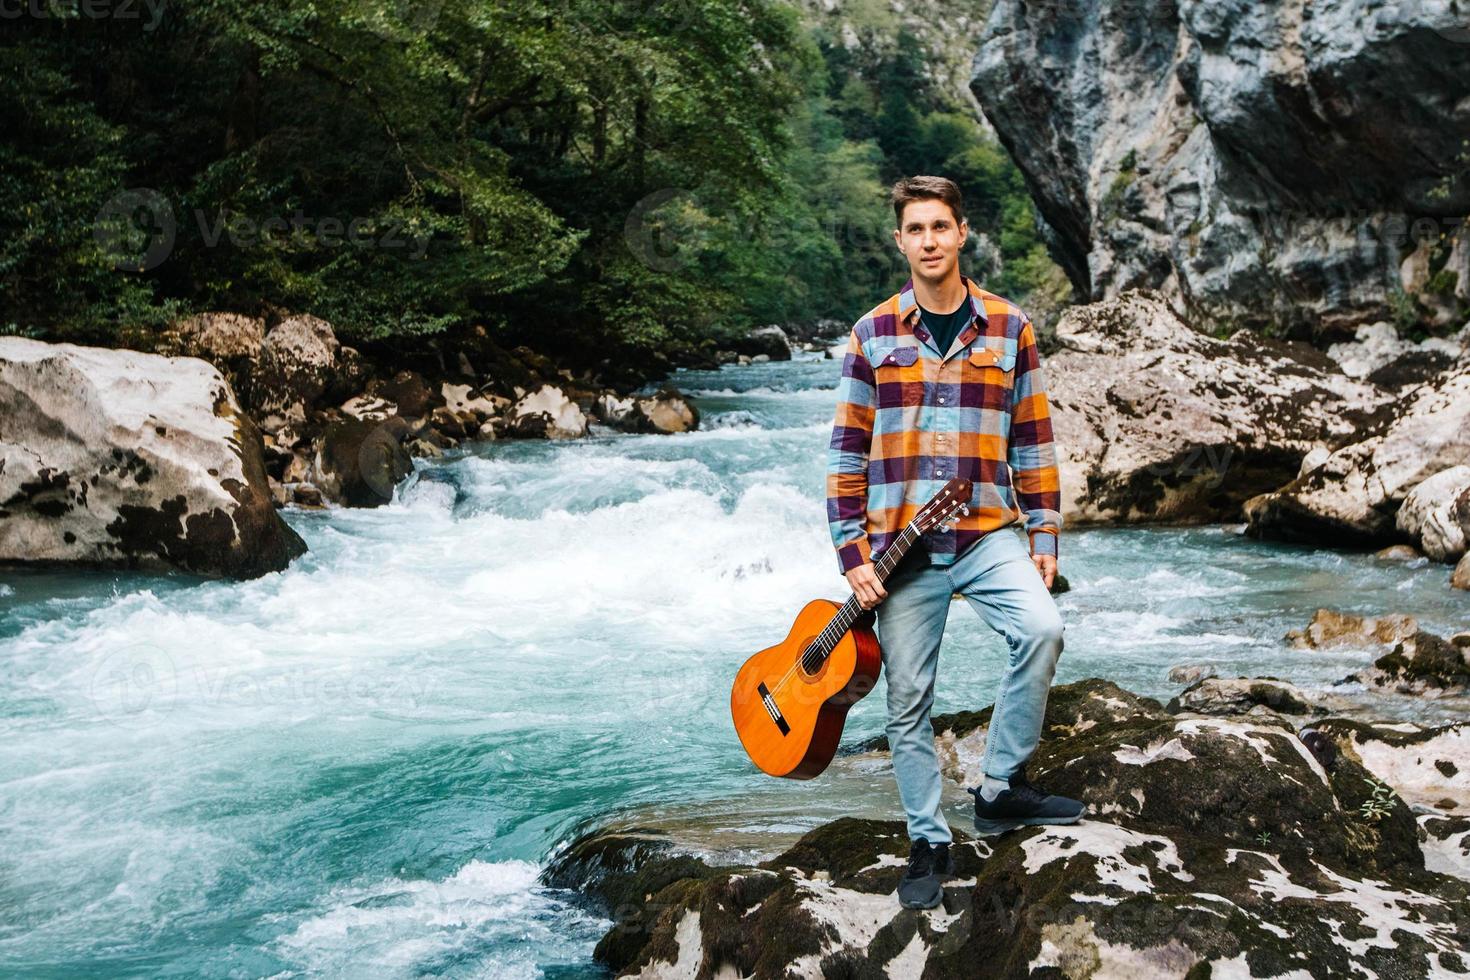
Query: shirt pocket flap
x=902 y=356
x=992 y=357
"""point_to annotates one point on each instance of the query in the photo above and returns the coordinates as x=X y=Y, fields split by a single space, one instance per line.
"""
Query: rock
x=353 y=374
x=1445 y=841
x=1460 y=577
x=1436 y=513
x=1424 y=664
x=1156 y=421
x=1217 y=152
x=1425 y=764
x=770 y=340
x=369 y=408
x=298 y=363
x=1377 y=353
x=1246 y=695
x=1330 y=629
x=1314 y=458
x=547 y=413
x=1189 y=673
x=461 y=398
x=229 y=341
x=359 y=463
x=667 y=410
x=121 y=459
x=298 y=469
x=1352 y=497
x=448 y=422
x=409 y=391
x=1398 y=552
x=1060 y=585
x=1211 y=847
x=306 y=495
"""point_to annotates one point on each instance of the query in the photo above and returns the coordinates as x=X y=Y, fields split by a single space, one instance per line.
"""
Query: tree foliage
x=593 y=177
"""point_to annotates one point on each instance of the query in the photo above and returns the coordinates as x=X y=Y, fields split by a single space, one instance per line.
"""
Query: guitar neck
x=884 y=566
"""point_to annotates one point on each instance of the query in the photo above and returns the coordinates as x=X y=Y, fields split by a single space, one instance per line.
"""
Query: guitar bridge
x=771 y=708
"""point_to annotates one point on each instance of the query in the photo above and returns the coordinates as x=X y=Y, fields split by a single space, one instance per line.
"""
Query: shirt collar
x=908 y=304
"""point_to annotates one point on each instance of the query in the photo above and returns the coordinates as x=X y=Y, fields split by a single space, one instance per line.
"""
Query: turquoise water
x=356 y=768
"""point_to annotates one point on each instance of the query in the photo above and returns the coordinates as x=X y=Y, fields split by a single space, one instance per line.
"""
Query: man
x=943 y=380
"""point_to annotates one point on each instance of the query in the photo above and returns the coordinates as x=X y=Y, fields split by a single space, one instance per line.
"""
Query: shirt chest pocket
x=991 y=365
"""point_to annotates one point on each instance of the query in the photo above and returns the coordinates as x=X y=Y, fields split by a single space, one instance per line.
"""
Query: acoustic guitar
x=789 y=701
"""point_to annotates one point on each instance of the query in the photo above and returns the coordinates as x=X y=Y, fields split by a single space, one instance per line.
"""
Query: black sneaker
x=919 y=888
x=1021 y=805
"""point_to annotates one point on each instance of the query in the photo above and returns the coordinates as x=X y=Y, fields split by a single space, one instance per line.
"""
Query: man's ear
x=898 y=239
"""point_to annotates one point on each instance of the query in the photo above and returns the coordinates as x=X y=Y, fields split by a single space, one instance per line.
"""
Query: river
x=356 y=768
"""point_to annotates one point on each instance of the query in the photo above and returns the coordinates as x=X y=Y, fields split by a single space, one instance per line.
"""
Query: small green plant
x=1404 y=308
x=1263 y=838
x=1378 y=805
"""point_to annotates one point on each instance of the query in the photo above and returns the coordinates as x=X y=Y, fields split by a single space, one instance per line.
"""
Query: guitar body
x=790 y=721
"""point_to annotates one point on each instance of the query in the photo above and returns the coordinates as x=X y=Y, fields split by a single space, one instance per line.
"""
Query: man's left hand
x=1047 y=566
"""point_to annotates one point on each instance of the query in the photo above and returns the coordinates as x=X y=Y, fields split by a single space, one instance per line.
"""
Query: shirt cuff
x=1044 y=542
x=853 y=555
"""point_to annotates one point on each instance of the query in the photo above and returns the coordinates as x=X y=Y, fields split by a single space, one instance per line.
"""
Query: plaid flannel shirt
x=911 y=417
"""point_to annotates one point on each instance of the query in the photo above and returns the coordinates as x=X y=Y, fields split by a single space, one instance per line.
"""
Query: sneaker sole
x=987 y=826
x=910 y=905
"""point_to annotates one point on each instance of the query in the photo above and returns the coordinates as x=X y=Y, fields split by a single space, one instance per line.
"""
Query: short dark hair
x=922 y=188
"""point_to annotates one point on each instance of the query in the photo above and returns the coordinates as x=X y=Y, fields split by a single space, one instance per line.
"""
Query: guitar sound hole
x=808 y=656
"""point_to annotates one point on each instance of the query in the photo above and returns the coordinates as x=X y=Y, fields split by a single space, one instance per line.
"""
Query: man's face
x=930 y=239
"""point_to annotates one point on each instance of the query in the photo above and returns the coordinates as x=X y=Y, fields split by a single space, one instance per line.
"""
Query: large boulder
x=298 y=365
x=1264 y=163
x=231 y=342
x=1436 y=514
x=122 y=459
x=359 y=462
x=1354 y=495
x=1212 y=847
x=1156 y=421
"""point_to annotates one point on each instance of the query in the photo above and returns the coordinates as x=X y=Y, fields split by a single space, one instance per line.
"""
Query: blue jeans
x=997 y=577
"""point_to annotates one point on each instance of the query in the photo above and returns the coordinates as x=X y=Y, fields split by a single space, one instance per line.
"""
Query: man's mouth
x=931 y=258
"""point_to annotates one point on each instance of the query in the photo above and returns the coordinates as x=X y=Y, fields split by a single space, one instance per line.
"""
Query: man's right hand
x=866 y=586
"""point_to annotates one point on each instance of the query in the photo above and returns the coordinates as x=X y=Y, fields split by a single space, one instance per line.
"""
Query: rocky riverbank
x=1366 y=444
x=176 y=456
x=1236 y=839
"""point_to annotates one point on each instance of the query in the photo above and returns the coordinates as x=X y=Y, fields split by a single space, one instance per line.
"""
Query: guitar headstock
x=946 y=507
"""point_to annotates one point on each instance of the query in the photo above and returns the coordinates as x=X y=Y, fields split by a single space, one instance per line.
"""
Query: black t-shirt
x=945 y=327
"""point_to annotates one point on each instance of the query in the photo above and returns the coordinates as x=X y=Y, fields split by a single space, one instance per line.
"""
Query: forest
x=633 y=179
